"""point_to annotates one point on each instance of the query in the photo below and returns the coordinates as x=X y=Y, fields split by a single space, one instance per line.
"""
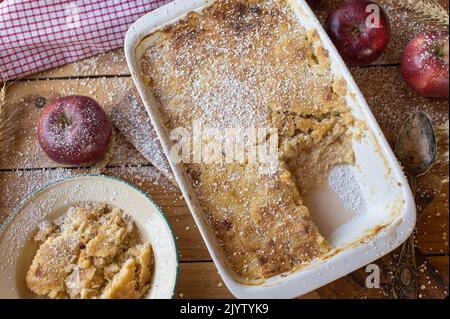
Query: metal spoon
x=416 y=149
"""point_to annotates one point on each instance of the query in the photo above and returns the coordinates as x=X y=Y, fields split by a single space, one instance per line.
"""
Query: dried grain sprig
x=427 y=11
x=101 y=166
x=442 y=135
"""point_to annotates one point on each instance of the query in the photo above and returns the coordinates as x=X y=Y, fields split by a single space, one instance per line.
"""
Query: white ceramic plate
x=17 y=249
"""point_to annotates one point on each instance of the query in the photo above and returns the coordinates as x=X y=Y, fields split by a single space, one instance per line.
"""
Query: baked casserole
x=249 y=63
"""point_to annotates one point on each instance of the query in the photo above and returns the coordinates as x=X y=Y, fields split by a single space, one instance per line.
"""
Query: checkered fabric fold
x=36 y=35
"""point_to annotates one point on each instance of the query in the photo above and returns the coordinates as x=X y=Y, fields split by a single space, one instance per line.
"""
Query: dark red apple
x=425 y=64
x=360 y=31
x=74 y=130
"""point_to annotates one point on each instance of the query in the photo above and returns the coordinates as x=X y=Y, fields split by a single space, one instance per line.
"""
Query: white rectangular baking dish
x=365 y=212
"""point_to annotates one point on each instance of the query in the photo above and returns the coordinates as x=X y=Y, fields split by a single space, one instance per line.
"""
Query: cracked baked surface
x=249 y=63
x=94 y=252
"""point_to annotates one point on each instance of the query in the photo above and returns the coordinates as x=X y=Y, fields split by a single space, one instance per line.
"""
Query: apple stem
x=356 y=31
x=65 y=122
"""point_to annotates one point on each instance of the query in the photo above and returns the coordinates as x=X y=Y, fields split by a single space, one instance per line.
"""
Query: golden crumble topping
x=249 y=63
x=94 y=252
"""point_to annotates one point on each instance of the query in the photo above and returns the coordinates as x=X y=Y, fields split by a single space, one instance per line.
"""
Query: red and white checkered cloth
x=36 y=35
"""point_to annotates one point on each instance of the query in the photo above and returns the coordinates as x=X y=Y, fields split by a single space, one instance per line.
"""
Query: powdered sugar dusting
x=130 y=118
x=250 y=64
x=343 y=183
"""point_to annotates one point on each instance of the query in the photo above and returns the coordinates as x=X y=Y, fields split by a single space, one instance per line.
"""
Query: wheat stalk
x=428 y=11
x=442 y=140
x=442 y=135
x=7 y=116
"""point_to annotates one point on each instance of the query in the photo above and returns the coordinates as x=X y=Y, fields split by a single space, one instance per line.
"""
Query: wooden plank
x=404 y=26
x=431 y=236
x=440 y=263
x=380 y=85
x=25 y=152
x=432 y=230
x=110 y=63
x=201 y=280
x=16 y=185
x=354 y=284
x=391 y=100
x=433 y=281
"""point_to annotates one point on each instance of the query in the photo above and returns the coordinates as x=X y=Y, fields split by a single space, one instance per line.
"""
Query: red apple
x=74 y=130
x=360 y=31
x=425 y=64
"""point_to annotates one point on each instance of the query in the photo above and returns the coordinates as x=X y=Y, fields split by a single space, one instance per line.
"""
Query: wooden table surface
x=24 y=167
